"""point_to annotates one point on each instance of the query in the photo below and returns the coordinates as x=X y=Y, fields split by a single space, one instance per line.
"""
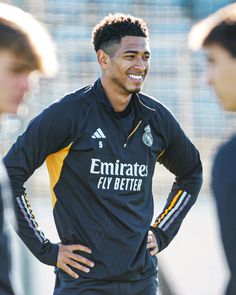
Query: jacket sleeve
x=182 y=159
x=44 y=135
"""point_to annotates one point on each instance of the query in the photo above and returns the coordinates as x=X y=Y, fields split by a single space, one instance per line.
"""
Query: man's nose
x=209 y=77
x=24 y=82
x=140 y=63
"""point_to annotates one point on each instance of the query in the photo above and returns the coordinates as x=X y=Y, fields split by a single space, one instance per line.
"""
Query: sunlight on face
x=129 y=65
x=14 y=82
x=222 y=75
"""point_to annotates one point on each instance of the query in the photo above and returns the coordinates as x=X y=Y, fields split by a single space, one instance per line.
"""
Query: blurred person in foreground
x=217 y=35
x=101 y=144
x=20 y=55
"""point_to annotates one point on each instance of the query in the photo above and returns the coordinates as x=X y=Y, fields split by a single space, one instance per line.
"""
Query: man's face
x=128 y=66
x=14 y=82
x=222 y=75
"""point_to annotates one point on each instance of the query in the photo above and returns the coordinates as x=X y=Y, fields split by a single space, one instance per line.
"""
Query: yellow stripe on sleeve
x=167 y=210
x=54 y=164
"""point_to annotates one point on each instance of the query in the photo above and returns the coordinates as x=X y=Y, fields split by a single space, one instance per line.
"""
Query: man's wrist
x=161 y=238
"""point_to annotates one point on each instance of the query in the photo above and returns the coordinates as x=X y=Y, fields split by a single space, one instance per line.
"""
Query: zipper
x=131 y=134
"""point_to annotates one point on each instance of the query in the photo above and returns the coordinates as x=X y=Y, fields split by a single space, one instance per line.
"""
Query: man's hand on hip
x=152 y=243
x=67 y=258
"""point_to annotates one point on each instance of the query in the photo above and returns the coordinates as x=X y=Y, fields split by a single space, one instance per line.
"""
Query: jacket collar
x=142 y=110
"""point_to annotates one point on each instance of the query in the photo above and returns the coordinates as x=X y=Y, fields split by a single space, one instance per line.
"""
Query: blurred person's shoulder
x=226 y=155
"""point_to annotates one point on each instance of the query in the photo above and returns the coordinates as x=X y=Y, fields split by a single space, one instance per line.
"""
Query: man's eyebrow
x=135 y=51
x=21 y=66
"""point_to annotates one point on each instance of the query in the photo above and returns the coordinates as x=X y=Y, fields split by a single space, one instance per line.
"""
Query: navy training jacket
x=101 y=180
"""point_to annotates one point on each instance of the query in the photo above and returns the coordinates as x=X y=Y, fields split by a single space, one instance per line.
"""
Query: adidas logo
x=98 y=134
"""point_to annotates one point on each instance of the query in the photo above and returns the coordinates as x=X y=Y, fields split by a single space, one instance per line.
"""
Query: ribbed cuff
x=49 y=254
x=161 y=238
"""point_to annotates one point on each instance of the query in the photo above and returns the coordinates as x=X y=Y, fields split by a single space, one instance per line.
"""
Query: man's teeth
x=136 y=77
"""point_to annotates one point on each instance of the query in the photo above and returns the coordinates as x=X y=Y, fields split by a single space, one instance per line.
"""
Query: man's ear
x=103 y=58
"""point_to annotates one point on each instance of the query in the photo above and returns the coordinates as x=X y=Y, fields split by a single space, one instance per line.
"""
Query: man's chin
x=136 y=90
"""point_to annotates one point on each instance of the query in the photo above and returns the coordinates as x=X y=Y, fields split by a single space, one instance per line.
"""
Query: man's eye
x=130 y=56
x=146 y=57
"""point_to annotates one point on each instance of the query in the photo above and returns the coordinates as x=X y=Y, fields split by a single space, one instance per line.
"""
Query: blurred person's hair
x=25 y=37
x=107 y=34
x=218 y=28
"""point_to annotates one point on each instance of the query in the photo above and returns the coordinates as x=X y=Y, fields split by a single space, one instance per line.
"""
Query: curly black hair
x=113 y=27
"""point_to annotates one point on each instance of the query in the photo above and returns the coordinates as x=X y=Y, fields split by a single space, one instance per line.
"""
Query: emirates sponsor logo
x=118 y=175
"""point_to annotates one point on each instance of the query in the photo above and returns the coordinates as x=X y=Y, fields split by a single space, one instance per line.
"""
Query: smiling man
x=101 y=156
x=120 y=73
x=217 y=35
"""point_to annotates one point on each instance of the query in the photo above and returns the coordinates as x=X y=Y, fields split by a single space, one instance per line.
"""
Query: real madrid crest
x=147 y=136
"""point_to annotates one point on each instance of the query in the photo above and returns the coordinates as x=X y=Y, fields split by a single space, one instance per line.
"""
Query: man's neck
x=118 y=100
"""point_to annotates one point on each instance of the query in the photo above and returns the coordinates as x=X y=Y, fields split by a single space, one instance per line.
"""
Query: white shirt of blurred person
x=217 y=35
x=25 y=47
